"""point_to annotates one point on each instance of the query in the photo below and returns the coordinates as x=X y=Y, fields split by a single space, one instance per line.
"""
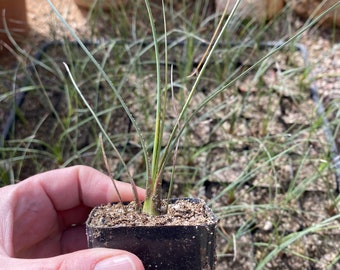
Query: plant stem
x=153 y=187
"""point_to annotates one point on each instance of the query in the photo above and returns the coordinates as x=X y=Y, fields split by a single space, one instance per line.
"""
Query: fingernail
x=116 y=263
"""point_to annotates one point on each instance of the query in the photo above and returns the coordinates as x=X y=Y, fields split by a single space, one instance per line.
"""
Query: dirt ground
x=322 y=44
x=43 y=22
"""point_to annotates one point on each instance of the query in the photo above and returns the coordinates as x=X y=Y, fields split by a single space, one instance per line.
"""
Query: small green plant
x=155 y=168
x=156 y=164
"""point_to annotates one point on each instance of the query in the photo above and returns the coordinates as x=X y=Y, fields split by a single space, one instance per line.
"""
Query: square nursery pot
x=176 y=246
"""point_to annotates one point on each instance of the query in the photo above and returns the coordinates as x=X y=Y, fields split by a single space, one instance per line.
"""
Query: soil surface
x=180 y=213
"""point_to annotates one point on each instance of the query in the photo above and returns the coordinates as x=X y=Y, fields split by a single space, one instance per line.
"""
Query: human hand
x=42 y=221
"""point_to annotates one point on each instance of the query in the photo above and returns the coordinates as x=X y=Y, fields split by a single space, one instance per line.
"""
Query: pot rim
x=208 y=211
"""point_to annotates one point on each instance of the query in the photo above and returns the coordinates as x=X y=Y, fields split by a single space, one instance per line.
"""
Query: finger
x=73 y=239
x=46 y=205
x=73 y=186
x=91 y=259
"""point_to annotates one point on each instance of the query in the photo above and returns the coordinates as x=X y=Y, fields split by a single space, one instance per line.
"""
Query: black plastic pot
x=161 y=247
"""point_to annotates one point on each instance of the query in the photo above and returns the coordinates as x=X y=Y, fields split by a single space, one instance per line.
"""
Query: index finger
x=81 y=185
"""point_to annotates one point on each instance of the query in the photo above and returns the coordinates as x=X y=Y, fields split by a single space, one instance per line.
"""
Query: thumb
x=90 y=259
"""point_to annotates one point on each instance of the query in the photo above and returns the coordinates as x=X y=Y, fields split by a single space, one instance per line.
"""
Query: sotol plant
x=155 y=165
